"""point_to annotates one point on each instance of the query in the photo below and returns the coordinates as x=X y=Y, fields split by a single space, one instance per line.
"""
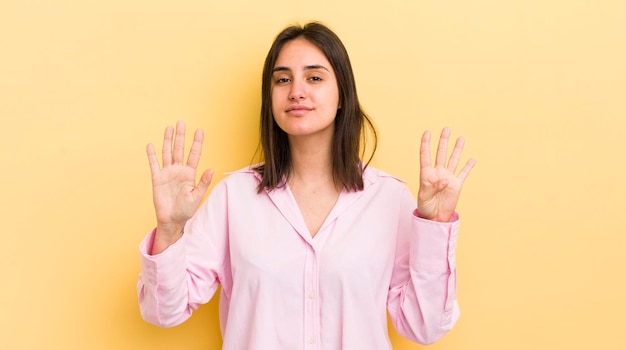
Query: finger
x=425 y=150
x=456 y=154
x=196 y=149
x=167 y=147
x=205 y=181
x=466 y=169
x=152 y=159
x=179 y=144
x=442 y=148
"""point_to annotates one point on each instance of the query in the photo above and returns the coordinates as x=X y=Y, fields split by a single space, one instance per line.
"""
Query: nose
x=297 y=91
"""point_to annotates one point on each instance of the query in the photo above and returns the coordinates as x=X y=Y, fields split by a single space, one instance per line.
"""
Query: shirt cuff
x=165 y=270
x=433 y=247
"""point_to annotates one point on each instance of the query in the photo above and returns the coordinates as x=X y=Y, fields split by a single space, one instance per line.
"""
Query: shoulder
x=385 y=188
x=246 y=175
x=373 y=175
x=378 y=181
x=241 y=183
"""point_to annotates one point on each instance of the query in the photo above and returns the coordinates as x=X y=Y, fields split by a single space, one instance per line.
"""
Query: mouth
x=297 y=108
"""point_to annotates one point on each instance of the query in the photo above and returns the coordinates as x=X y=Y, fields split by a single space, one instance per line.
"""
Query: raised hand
x=174 y=191
x=440 y=188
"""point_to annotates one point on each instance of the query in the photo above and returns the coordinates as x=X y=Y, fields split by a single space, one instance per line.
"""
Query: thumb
x=442 y=184
x=205 y=181
x=427 y=192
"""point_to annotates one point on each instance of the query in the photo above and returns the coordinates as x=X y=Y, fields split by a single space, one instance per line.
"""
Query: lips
x=296 y=108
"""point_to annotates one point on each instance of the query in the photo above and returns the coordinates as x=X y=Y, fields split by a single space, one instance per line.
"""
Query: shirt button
x=311 y=295
x=311 y=340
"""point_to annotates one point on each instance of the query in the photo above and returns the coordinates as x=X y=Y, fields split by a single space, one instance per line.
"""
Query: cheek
x=278 y=94
x=335 y=94
x=336 y=100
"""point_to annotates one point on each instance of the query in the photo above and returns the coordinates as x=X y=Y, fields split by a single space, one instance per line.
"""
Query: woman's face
x=305 y=94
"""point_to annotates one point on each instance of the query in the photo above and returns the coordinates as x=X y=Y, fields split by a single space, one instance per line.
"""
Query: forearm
x=422 y=302
x=162 y=286
x=426 y=308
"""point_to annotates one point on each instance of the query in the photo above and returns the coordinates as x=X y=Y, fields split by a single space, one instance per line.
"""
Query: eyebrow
x=313 y=66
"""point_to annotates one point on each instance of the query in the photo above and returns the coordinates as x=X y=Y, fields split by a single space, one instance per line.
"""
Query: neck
x=311 y=161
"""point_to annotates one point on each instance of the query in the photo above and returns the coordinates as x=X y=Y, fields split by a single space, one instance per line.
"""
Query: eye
x=282 y=80
x=315 y=78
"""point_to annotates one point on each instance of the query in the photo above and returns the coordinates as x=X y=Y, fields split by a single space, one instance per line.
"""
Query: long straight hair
x=350 y=137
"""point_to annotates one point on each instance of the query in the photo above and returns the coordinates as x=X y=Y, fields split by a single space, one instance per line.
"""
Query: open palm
x=175 y=193
x=440 y=187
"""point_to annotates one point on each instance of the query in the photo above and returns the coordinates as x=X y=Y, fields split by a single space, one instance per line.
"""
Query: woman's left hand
x=440 y=188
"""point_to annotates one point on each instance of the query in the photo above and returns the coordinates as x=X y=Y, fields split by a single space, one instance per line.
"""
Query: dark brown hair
x=349 y=138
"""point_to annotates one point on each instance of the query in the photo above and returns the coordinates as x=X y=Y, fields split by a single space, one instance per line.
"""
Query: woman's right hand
x=174 y=191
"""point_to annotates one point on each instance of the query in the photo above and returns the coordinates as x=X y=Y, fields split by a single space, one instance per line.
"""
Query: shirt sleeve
x=422 y=296
x=174 y=283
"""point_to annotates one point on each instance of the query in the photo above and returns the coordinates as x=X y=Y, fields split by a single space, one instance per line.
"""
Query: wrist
x=435 y=217
x=165 y=236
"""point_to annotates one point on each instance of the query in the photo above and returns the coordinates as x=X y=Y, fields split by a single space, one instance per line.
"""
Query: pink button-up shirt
x=283 y=289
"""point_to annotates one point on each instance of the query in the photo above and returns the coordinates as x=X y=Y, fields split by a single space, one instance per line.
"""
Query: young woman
x=312 y=247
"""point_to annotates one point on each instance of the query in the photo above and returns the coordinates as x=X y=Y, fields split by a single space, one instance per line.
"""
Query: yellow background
x=538 y=88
